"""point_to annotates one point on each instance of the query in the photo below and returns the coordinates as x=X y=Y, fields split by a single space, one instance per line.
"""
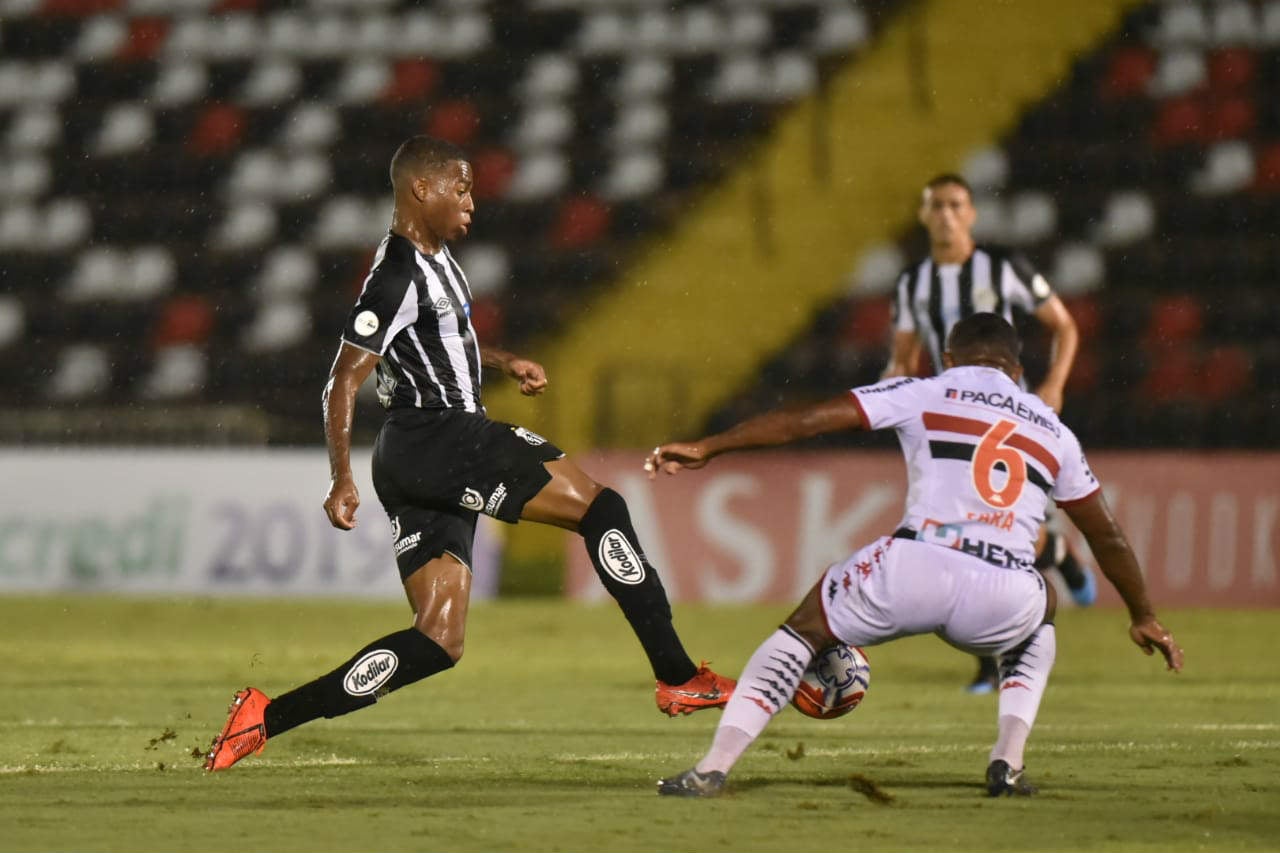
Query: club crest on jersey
x=984 y=301
x=471 y=499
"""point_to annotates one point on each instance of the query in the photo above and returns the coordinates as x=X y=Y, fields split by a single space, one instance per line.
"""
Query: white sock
x=1024 y=674
x=765 y=687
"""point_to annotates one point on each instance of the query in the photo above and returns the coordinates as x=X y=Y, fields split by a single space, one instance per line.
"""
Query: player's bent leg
x=439 y=591
x=764 y=688
x=1024 y=674
x=574 y=501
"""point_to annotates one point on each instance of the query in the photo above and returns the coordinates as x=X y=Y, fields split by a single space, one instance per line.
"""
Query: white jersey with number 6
x=983 y=458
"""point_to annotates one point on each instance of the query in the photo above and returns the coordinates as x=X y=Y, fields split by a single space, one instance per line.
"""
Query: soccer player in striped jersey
x=958 y=278
x=985 y=459
x=439 y=461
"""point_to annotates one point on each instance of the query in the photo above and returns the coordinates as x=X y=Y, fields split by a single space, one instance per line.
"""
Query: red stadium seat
x=488 y=318
x=494 y=168
x=454 y=121
x=1174 y=320
x=185 y=319
x=1232 y=69
x=1181 y=120
x=1227 y=372
x=582 y=222
x=146 y=38
x=1233 y=117
x=1128 y=73
x=218 y=130
x=867 y=324
x=412 y=80
x=1268 y=168
x=1173 y=375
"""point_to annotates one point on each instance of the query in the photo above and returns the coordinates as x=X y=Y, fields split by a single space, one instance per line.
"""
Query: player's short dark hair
x=949 y=179
x=420 y=155
x=984 y=333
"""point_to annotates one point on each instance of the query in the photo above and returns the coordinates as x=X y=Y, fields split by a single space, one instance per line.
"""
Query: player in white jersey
x=984 y=460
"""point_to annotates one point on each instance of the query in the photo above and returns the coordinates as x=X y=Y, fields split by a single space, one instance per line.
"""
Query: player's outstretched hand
x=672 y=457
x=341 y=502
x=1150 y=635
x=530 y=375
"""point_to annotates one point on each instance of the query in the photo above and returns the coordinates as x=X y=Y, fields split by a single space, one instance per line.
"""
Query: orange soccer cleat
x=244 y=734
x=705 y=690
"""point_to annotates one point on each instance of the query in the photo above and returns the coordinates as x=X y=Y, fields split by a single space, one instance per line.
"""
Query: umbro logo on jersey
x=443 y=305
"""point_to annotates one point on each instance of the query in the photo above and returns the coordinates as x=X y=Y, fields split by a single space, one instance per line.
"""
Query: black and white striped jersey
x=414 y=310
x=931 y=298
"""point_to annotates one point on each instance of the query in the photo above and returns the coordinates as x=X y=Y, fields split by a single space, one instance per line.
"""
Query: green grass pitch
x=546 y=738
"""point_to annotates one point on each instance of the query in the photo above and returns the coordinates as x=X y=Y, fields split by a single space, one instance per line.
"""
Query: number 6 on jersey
x=992 y=452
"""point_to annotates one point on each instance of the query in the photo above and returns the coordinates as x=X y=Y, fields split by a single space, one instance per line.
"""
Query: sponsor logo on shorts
x=619 y=559
x=495 y=500
x=471 y=499
x=370 y=672
x=532 y=437
x=366 y=323
x=403 y=543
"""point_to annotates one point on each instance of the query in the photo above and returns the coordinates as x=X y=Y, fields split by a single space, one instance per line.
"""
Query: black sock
x=1071 y=571
x=621 y=565
x=987 y=670
x=1069 y=567
x=380 y=667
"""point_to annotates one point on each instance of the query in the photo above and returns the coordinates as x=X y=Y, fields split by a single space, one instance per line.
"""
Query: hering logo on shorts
x=619 y=559
x=370 y=672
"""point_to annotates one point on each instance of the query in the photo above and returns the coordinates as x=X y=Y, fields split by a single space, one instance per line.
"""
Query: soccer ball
x=834 y=684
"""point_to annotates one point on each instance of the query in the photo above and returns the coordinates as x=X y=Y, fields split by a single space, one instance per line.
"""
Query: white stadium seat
x=81 y=370
x=1229 y=167
x=178 y=371
x=1129 y=217
x=1077 y=268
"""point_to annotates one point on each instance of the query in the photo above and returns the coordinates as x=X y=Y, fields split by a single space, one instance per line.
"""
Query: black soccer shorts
x=435 y=470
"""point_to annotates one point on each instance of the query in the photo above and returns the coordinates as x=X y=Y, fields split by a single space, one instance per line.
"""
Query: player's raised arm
x=351 y=368
x=1117 y=561
x=766 y=430
x=530 y=375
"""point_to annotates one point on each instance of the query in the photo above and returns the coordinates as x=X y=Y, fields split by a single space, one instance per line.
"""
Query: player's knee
x=449 y=640
x=808 y=621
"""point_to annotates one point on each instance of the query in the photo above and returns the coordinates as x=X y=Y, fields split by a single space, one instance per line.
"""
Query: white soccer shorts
x=900 y=587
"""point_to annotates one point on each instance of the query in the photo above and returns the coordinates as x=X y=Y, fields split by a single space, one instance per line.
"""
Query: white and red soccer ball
x=834 y=683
